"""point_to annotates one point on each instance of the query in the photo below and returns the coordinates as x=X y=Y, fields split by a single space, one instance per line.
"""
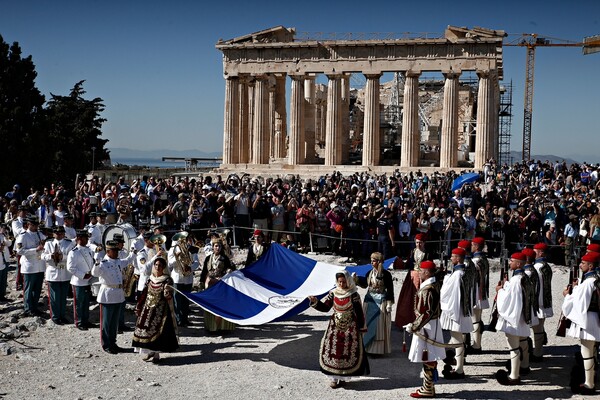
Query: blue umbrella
x=465 y=178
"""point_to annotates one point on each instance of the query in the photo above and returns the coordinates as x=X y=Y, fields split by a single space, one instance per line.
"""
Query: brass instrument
x=158 y=240
x=129 y=279
x=57 y=256
x=182 y=254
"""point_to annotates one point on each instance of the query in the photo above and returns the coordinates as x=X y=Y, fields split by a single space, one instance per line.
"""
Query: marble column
x=371 y=140
x=333 y=126
x=231 y=121
x=296 y=145
x=251 y=106
x=309 y=119
x=260 y=121
x=344 y=147
x=449 y=134
x=483 y=134
x=243 y=124
x=271 y=102
x=495 y=118
x=279 y=148
x=411 y=137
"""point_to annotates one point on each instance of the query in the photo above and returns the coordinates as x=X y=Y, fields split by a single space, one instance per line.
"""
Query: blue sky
x=155 y=64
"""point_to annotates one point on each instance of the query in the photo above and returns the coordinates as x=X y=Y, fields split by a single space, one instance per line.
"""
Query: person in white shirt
x=58 y=276
x=80 y=262
x=182 y=264
x=30 y=245
x=4 y=257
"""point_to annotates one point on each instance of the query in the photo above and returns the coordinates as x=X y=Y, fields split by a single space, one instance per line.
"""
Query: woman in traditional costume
x=155 y=328
x=216 y=265
x=342 y=352
x=377 y=307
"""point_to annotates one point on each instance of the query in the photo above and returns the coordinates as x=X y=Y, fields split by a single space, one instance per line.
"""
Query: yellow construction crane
x=531 y=41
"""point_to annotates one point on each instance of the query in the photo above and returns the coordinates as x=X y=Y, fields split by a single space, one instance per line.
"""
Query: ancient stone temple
x=324 y=126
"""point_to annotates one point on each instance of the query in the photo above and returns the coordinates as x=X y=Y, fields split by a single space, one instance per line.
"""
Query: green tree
x=74 y=129
x=21 y=119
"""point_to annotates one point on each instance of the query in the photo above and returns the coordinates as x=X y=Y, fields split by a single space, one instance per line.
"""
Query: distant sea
x=154 y=163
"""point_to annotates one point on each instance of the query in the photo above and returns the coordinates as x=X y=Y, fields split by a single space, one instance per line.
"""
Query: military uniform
x=58 y=277
x=80 y=262
x=32 y=267
x=183 y=280
x=4 y=257
x=544 y=272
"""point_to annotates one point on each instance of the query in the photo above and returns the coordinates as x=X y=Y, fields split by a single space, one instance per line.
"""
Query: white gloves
x=388 y=308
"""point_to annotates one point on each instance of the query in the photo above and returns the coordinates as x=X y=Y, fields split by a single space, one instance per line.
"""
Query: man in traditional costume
x=544 y=310
x=482 y=282
x=457 y=308
x=342 y=352
x=258 y=248
x=581 y=307
x=427 y=330
x=515 y=316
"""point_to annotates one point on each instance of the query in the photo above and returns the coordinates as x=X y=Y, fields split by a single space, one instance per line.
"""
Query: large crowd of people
x=547 y=210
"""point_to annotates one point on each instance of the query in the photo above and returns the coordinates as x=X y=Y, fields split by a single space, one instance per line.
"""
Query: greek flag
x=273 y=288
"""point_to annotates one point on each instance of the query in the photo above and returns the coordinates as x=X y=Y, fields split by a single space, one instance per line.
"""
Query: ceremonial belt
x=113 y=286
x=437 y=344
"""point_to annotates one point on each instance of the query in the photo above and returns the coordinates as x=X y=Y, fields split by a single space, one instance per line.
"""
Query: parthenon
x=260 y=130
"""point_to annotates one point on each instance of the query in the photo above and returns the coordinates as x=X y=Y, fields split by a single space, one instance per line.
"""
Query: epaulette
x=75 y=249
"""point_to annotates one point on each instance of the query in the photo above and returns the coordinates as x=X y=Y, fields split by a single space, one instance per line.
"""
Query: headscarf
x=343 y=293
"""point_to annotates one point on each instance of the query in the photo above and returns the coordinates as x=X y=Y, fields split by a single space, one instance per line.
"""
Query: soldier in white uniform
x=70 y=231
x=145 y=260
x=30 y=245
x=4 y=257
x=123 y=253
x=111 y=295
x=456 y=305
x=18 y=226
x=581 y=307
x=94 y=230
x=80 y=262
x=182 y=274
x=544 y=272
x=58 y=276
x=515 y=316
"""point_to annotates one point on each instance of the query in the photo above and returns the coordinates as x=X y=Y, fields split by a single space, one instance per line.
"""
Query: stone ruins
x=401 y=124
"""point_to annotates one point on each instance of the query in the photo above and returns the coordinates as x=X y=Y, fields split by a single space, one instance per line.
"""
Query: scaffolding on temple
x=505 y=123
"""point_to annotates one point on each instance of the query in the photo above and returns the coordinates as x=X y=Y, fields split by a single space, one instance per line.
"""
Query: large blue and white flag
x=273 y=288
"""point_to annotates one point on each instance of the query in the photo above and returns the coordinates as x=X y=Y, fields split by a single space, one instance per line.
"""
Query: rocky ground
x=279 y=361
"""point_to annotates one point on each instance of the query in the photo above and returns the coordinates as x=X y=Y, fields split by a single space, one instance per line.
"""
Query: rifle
x=563 y=322
x=503 y=275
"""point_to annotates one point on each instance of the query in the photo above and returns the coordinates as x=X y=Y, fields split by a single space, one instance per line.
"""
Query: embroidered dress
x=405 y=305
x=155 y=328
x=342 y=351
x=379 y=295
x=215 y=267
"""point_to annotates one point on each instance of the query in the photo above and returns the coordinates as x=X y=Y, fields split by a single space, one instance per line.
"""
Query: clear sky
x=155 y=64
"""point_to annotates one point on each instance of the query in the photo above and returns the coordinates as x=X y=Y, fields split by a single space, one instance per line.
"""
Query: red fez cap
x=258 y=232
x=465 y=244
x=529 y=253
x=591 y=257
x=459 y=251
x=479 y=240
x=427 y=264
x=518 y=256
x=420 y=236
x=540 y=246
x=594 y=247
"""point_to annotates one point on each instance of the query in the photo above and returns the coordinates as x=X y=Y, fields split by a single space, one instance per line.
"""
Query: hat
x=59 y=229
x=420 y=237
x=479 y=241
x=529 y=253
x=148 y=235
x=33 y=220
x=591 y=257
x=540 y=246
x=102 y=214
x=21 y=208
x=82 y=233
x=108 y=191
x=117 y=237
x=459 y=251
x=93 y=214
x=594 y=247
x=427 y=264
x=258 y=232
x=518 y=256
x=465 y=244
x=112 y=245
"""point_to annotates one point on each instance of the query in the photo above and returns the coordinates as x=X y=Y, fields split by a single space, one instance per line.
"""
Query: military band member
x=145 y=260
x=515 y=316
x=544 y=300
x=30 y=245
x=426 y=324
x=4 y=257
x=581 y=307
x=70 y=231
x=58 y=276
x=456 y=304
x=182 y=264
x=111 y=295
x=80 y=262
x=117 y=237
x=18 y=226
x=94 y=230
x=482 y=283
